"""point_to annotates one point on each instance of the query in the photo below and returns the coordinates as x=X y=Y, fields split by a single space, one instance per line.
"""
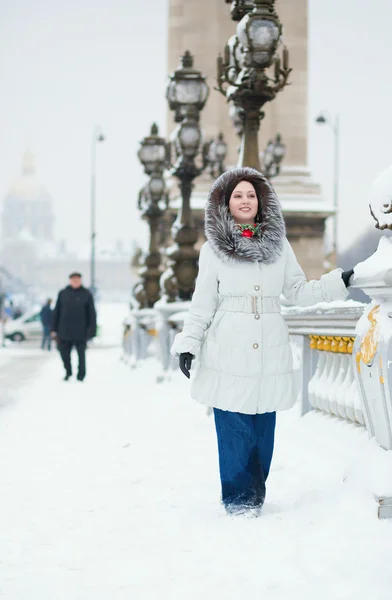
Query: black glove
x=186 y=363
x=346 y=277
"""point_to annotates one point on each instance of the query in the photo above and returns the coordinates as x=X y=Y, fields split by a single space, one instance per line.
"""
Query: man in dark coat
x=46 y=320
x=74 y=323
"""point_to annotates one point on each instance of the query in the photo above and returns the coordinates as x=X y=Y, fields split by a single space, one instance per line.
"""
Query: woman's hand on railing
x=186 y=363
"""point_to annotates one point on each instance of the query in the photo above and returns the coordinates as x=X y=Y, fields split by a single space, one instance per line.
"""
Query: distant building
x=28 y=206
x=114 y=274
x=44 y=266
x=37 y=262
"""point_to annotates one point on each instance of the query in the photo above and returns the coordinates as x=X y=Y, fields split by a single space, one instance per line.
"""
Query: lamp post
x=242 y=72
x=333 y=122
x=187 y=93
x=96 y=138
x=153 y=201
x=215 y=151
x=273 y=156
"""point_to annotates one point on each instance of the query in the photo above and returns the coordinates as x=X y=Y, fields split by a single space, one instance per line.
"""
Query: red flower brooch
x=248 y=231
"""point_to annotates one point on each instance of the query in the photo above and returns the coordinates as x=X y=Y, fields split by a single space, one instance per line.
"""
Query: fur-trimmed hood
x=222 y=233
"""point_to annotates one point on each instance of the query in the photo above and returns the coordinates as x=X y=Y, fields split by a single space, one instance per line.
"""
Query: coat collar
x=226 y=239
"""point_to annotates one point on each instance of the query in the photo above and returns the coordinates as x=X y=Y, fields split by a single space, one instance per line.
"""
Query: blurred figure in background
x=46 y=320
x=74 y=323
x=17 y=313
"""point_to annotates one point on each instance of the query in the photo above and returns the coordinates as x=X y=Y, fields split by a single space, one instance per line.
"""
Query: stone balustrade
x=139 y=331
x=333 y=388
x=324 y=337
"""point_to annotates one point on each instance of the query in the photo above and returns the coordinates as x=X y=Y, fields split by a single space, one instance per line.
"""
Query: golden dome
x=28 y=187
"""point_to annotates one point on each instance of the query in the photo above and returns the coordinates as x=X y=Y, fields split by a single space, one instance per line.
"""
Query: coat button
x=257 y=316
x=255 y=346
x=257 y=287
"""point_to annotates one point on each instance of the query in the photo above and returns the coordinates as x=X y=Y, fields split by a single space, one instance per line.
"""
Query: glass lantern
x=153 y=152
x=189 y=138
x=220 y=148
x=259 y=33
x=156 y=187
x=187 y=90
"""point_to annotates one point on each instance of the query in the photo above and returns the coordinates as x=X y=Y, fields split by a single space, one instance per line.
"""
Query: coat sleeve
x=203 y=306
x=91 y=318
x=300 y=292
x=56 y=315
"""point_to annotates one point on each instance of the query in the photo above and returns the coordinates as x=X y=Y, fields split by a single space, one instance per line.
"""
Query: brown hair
x=257 y=184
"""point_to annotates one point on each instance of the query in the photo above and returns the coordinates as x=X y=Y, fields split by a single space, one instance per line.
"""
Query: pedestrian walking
x=46 y=320
x=74 y=323
x=236 y=332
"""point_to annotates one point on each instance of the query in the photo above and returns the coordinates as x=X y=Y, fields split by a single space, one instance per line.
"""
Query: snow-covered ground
x=109 y=489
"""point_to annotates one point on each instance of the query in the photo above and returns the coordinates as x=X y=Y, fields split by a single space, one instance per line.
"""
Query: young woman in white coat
x=236 y=332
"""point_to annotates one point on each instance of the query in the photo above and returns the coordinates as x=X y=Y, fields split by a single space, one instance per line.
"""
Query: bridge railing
x=324 y=335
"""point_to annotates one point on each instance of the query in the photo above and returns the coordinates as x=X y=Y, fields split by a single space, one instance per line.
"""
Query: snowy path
x=109 y=491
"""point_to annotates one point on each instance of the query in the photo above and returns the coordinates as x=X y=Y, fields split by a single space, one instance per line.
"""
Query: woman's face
x=243 y=204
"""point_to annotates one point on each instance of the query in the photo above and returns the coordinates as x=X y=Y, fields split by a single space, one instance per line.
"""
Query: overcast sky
x=66 y=66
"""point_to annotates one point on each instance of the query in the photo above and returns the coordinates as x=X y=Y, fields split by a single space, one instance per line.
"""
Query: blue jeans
x=46 y=340
x=245 y=446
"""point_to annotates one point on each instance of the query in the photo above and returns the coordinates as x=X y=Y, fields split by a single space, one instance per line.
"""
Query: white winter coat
x=234 y=327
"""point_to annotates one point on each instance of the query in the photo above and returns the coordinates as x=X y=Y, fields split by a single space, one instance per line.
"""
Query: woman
x=236 y=332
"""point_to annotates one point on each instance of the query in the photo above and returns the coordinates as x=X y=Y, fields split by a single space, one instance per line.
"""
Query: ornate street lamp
x=152 y=202
x=215 y=152
x=97 y=138
x=154 y=152
x=242 y=72
x=272 y=157
x=333 y=122
x=187 y=92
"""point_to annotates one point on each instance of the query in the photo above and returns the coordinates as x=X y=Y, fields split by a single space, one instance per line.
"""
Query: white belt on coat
x=250 y=304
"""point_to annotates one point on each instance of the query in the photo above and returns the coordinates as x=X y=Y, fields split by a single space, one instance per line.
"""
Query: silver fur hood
x=223 y=235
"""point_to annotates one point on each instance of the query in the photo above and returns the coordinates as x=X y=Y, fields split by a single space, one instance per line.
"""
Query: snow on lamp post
x=239 y=8
x=242 y=71
x=152 y=202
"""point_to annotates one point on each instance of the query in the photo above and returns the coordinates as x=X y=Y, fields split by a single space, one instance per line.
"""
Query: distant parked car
x=27 y=327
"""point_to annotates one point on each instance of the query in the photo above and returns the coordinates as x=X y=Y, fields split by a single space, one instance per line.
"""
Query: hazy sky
x=68 y=65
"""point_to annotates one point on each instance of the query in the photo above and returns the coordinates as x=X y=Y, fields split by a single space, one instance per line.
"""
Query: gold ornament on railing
x=369 y=343
x=337 y=344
